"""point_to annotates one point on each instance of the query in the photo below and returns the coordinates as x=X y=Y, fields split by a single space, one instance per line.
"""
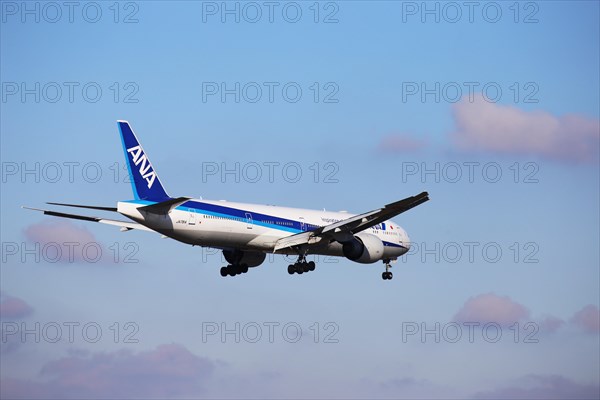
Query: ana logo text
x=139 y=158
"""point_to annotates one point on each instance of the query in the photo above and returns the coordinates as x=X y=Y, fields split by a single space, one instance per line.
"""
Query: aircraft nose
x=405 y=239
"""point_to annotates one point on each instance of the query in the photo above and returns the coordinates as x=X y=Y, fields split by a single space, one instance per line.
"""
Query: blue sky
x=365 y=145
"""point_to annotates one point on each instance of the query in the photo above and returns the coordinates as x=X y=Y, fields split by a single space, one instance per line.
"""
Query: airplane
x=247 y=232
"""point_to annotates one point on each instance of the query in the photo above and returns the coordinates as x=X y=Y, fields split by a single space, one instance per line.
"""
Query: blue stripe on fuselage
x=282 y=224
x=391 y=244
x=142 y=202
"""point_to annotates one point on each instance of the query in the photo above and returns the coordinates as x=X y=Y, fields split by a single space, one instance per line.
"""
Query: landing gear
x=301 y=266
x=387 y=275
x=234 y=269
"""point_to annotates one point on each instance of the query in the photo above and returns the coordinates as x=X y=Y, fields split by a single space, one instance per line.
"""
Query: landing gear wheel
x=387 y=275
x=233 y=270
x=301 y=266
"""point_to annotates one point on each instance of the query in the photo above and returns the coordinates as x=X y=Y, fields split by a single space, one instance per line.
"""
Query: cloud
x=13 y=308
x=410 y=388
x=588 y=319
x=400 y=143
x=502 y=310
x=58 y=231
x=63 y=241
x=490 y=307
x=398 y=387
x=168 y=371
x=543 y=387
x=550 y=324
x=490 y=127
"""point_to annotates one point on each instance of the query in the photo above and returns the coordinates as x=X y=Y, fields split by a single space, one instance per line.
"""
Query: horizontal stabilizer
x=84 y=206
x=164 y=207
x=122 y=224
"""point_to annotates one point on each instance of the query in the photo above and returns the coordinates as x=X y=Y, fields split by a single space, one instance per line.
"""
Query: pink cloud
x=13 y=307
x=58 y=231
x=588 y=318
x=168 y=371
x=490 y=307
x=495 y=128
x=400 y=143
x=543 y=387
x=61 y=240
x=403 y=387
x=550 y=324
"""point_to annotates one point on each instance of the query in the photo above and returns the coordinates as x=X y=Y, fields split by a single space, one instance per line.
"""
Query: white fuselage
x=253 y=227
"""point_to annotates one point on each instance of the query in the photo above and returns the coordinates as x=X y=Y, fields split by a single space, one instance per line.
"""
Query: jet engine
x=364 y=248
x=239 y=257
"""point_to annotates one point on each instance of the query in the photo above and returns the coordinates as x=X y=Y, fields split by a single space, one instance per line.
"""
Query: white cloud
x=495 y=128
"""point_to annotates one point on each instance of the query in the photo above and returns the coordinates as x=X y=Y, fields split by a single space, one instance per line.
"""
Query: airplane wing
x=125 y=226
x=351 y=225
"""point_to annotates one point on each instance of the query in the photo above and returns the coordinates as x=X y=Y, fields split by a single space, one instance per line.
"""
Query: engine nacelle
x=364 y=248
x=249 y=258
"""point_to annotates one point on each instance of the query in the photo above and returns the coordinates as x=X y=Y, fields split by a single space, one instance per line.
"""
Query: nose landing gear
x=387 y=275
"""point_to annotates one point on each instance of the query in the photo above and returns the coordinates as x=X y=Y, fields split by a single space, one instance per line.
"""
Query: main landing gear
x=387 y=275
x=234 y=269
x=301 y=266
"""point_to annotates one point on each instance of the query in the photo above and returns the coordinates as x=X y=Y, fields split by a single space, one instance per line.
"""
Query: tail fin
x=144 y=180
